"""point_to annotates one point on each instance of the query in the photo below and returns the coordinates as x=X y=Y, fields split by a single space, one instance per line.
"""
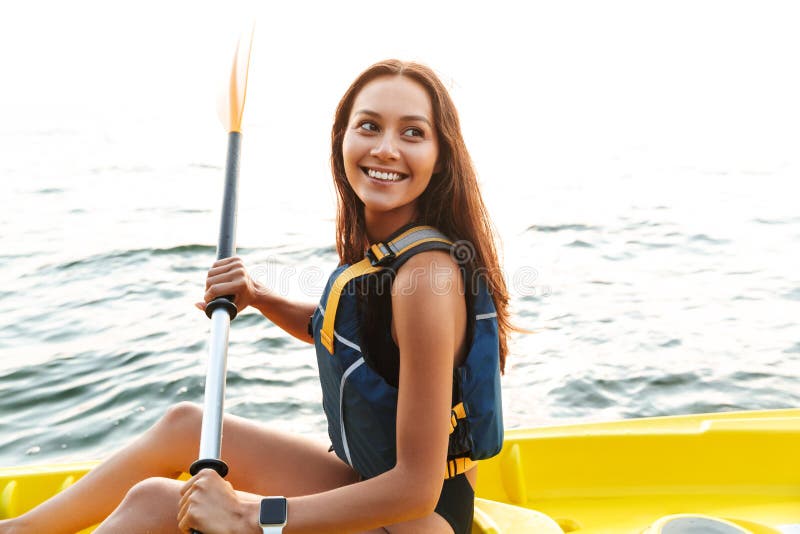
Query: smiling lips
x=384 y=176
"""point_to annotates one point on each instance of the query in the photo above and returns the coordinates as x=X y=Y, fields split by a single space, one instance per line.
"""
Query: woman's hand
x=229 y=277
x=210 y=505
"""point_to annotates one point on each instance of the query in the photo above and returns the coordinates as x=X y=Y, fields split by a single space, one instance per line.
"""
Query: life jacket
x=361 y=406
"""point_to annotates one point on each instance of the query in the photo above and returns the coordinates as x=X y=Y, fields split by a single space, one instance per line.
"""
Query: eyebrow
x=420 y=118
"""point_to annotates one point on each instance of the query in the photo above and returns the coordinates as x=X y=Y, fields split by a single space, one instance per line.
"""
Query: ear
x=438 y=167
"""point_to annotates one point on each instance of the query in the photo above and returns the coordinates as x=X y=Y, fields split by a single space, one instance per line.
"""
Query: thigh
x=433 y=524
x=456 y=503
x=261 y=460
x=267 y=461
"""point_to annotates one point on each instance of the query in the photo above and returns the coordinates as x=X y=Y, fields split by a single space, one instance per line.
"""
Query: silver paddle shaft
x=211 y=431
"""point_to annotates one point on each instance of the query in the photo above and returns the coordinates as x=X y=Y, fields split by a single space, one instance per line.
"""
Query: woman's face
x=390 y=147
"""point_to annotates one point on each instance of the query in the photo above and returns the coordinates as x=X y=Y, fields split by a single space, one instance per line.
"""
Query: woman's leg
x=261 y=461
x=150 y=506
x=430 y=524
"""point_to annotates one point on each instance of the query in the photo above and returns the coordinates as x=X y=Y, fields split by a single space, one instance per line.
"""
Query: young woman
x=409 y=355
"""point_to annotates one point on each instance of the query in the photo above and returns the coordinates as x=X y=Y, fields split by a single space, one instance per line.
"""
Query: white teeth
x=388 y=176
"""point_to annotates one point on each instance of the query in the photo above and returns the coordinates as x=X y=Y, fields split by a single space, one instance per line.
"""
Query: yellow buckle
x=457 y=412
x=457 y=466
x=379 y=253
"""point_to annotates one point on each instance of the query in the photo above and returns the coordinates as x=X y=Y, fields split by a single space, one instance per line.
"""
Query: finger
x=183 y=512
x=189 y=484
x=229 y=288
x=183 y=508
x=179 y=516
x=207 y=474
x=184 y=500
x=183 y=524
x=237 y=272
x=190 y=495
x=226 y=261
x=200 y=306
x=227 y=264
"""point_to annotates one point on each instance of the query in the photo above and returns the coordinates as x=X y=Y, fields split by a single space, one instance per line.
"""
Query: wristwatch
x=272 y=517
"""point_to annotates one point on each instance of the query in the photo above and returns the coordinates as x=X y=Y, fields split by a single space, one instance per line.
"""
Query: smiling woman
x=410 y=416
x=390 y=151
x=646 y=184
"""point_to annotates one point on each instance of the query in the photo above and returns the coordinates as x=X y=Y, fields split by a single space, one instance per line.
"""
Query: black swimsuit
x=457 y=500
x=457 y=504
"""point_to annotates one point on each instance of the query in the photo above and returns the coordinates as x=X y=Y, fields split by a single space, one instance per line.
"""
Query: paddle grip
x=225 y=302
x=217 y=465
x=209 y=463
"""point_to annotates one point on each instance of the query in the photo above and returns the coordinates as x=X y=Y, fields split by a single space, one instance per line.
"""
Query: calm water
x=655 y=260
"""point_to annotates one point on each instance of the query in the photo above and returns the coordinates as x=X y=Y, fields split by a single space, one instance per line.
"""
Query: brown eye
x=368 y=126
x=414 y=132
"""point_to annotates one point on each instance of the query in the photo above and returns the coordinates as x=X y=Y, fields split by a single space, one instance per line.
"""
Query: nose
x=385 y=148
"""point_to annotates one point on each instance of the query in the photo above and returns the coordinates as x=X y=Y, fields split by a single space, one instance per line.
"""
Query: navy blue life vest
x=361 y=406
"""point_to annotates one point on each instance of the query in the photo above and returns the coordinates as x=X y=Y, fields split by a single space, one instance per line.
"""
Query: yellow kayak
x=728 y=473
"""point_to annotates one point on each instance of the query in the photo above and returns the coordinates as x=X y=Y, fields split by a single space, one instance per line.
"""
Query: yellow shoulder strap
x=354 y=271
x=377 y=258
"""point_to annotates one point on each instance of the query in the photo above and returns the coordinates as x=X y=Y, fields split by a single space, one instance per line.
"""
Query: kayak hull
x=632 y=476
x=626 y=475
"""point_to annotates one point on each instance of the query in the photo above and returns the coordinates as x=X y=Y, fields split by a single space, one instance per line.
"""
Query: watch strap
x=272 y=530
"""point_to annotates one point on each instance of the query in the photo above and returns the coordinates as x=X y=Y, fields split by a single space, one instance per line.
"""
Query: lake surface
x=650 y=245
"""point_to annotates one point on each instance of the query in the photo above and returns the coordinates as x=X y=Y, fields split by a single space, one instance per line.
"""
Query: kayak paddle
x=222 y=310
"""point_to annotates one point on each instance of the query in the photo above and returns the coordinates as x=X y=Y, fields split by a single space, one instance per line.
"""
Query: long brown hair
x=452 y=201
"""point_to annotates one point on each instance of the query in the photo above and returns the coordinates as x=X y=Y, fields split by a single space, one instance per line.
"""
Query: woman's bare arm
x=230 y=277
x=427 y=324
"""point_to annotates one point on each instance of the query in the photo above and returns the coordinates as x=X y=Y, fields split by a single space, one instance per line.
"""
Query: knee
x=183 y=419
x=148 y=505
x=148 y=494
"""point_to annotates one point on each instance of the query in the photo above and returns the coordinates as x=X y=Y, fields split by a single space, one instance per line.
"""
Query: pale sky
x=539 y=85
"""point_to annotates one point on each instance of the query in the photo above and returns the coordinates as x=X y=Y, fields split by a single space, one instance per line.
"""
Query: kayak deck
x=623 y=476
x=620 y=477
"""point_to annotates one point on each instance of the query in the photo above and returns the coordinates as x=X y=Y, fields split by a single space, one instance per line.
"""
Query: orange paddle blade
x=231 y=105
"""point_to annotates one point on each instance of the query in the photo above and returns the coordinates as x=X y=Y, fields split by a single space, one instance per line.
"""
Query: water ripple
x=562 y=228
x=648 y=311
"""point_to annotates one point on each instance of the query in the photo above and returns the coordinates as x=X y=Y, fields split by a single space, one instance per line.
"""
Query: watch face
x=273 y=511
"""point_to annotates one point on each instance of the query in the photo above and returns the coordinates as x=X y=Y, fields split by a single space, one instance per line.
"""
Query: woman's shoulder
x=427 y=275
